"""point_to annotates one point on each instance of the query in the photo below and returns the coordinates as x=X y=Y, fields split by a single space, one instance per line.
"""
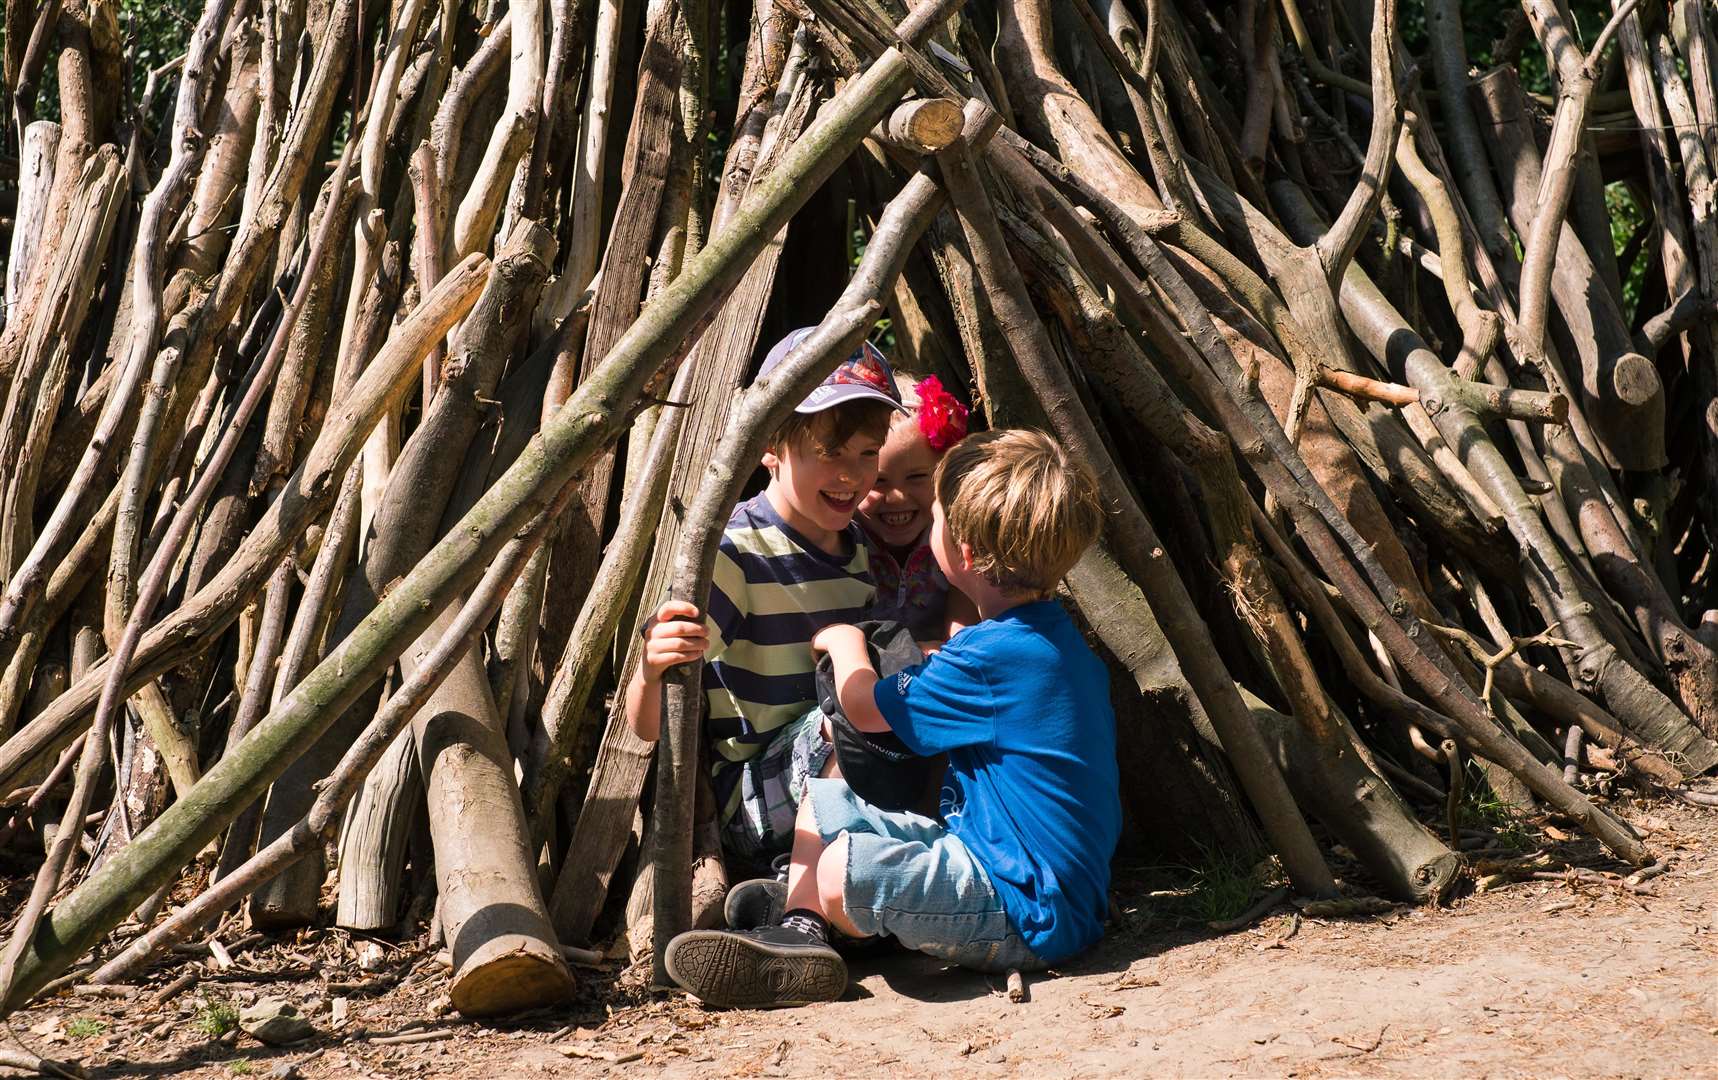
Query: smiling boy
x=791 y=562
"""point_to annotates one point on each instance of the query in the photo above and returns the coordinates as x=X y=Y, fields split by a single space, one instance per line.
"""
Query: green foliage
x=86 y=1027
x=1481 y=809
x=240 y=1066
x=1485 y=24
x=155 y=31
x=1227 y=885
x=1223 y=885
x=883 y=336
x=1626 y=216
x=152 y=32
x=217 y=1017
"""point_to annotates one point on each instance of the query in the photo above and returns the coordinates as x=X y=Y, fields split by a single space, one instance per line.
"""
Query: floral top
x=913 y=592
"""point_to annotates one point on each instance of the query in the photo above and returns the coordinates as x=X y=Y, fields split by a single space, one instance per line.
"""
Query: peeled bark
x=374 y=841
x=47 y=331
x=505 y=956
x=36 y=179
x=217 y=196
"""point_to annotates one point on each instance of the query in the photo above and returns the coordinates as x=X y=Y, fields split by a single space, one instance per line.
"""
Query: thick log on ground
x=1361 y=809
x=505 y=956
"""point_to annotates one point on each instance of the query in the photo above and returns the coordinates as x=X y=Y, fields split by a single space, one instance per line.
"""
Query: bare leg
x=832 y=767
x=817 y=876
x=832 y=886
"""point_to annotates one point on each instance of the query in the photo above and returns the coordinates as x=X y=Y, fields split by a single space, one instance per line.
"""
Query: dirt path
x=1536 y=979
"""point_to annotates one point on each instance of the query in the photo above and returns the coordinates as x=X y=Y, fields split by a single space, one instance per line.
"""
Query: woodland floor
x=1534 y=979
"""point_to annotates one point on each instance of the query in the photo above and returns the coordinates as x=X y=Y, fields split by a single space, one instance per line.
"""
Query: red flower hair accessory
x=942 y=418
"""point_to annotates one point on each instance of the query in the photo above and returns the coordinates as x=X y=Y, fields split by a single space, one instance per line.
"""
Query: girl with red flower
x=896 y=515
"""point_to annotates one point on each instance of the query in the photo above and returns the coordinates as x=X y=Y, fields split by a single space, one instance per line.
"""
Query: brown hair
x=1027 y=508
x=828 y=431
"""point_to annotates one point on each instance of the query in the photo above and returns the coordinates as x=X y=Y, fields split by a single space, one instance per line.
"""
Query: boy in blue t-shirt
x=1018 y=877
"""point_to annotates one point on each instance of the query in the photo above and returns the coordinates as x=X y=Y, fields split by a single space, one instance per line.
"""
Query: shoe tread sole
x=728 y=970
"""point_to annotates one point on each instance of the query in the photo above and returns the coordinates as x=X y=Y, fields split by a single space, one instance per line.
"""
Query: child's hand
x=832 y=638
x=676 y=637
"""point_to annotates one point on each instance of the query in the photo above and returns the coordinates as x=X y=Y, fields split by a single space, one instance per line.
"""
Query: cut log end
x=1434 y=878
x=509 y=974
x=1635 y=380
x=925 y=126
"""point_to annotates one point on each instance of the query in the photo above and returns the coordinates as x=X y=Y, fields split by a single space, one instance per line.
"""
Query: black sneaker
x=766 y=968
x=755 y=903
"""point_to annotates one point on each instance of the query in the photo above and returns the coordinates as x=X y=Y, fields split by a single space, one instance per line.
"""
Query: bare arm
x=644 y=706
x=855 y=678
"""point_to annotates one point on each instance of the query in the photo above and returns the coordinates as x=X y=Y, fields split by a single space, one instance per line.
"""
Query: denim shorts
x=910 y=877
x=771 y=786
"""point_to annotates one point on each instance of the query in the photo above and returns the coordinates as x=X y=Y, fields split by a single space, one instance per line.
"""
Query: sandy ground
x=1543 y=979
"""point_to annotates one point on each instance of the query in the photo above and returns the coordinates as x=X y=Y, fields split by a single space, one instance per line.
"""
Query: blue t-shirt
x=1021 y=706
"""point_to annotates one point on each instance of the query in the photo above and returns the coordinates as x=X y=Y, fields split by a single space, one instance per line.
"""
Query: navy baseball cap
x=864 y=376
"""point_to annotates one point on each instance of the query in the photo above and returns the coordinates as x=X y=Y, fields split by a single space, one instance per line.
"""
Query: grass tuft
x=1227 y=885
x=1221 y=885
x=216 y=1018
x=1481 y=809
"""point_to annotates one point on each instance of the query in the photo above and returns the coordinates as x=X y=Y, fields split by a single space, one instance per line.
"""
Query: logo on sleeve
x=952 y=800
x=903 y=679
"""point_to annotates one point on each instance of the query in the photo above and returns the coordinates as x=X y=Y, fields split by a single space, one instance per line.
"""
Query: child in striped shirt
x=791 y=562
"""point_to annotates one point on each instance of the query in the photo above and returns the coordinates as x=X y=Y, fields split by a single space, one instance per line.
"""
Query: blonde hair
x=1027 y=508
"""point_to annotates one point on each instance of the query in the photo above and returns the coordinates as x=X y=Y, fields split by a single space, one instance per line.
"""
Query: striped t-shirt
x=772 y=592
